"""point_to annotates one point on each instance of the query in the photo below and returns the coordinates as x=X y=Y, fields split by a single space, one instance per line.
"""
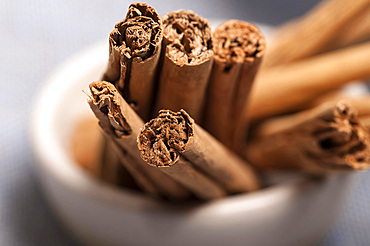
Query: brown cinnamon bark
x=134 y=52
x=87 y=146
x=122 y=125
x=290 y=87
x=313 y=32
x=365 y=121
x=187 y=62
x=360 y=103
x=355 y=31
x=324 y=139
x=113 y=171
x=239 y=47
x=182 y=149
x=89 y=149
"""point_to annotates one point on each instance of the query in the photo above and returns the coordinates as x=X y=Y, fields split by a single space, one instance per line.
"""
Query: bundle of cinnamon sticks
x=199 y=91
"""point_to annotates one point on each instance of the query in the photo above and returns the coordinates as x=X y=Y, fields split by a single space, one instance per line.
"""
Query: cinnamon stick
x=90 y=150
x=187 y=62
x=324 y=139
x=134 y=52
x=179 y=147
x=290 y=87
x=122 y=125
x=239 y=47
x=113 y=171
x=313 y=32
x=87 y=146
x=355 y=31
x=360 y=103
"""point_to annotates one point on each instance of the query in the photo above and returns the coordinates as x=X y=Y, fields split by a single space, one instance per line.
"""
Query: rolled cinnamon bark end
x=119 y=121
x=187 y=62
x=239 y=47
x=159 y=143
x=105 y=104
x=164 y=137
x=320 y=140
x=134 y=52
x=173 y=139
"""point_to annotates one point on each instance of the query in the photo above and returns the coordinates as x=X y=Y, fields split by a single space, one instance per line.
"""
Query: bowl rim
x=60 y=166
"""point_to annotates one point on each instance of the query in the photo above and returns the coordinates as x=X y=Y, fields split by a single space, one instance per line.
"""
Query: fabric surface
x=38 y=35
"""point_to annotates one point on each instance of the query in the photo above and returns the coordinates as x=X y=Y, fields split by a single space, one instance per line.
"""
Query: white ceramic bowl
x=298 y=211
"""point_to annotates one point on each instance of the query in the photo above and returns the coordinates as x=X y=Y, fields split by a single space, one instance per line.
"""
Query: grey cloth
x=38 y=35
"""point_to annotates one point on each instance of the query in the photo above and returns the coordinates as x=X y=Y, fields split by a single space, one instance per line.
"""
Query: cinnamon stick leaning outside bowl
x=324 y=139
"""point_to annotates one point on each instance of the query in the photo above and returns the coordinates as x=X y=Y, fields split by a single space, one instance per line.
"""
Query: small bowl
x=295 y=211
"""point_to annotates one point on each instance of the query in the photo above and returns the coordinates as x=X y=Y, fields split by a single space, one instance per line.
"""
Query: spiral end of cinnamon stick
x=162 y=138
x=188 y=38
x=105 y=103
x=237 y=42
x=140 y=34
x=342 y=138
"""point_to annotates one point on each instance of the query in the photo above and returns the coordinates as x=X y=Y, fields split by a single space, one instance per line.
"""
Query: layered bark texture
x=182 y=149
x=134 y=52
x=122 y=125
x=187 y=62
x=324 y=139
x=239 y=47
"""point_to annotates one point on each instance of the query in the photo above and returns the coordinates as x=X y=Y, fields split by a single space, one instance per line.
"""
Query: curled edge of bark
x=188 y=38
x=162 y=138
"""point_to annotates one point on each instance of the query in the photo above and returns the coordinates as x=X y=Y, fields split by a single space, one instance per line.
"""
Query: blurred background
x=36 y=36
